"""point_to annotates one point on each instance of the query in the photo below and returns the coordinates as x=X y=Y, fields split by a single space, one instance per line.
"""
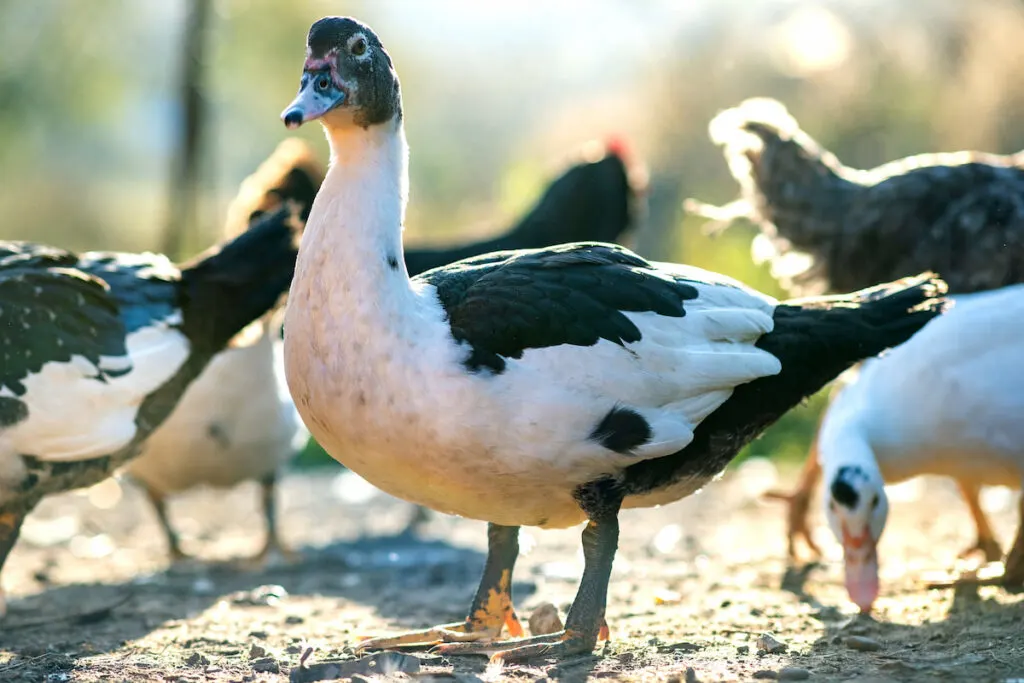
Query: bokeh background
x=96 y=107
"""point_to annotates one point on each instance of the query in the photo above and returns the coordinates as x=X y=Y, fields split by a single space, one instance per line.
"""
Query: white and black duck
x=947 y=402
x=97 y=348
x=237 y=423
x=541 y=387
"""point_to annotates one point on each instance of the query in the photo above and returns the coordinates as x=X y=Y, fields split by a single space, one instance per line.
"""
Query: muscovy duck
x=542 y=387
x=959 y=214
x=237 y=423
x=97 y=349
x=946 y=402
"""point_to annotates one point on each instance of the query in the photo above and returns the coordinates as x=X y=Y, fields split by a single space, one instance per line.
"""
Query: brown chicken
x=829 y=228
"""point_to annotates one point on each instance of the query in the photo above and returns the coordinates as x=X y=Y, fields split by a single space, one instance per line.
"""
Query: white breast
x=235 y=422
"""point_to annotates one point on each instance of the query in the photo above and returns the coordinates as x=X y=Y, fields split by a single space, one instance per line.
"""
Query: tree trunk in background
x=184 y=176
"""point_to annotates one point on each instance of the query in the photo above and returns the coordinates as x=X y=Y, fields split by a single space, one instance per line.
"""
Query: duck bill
x=311 y=103
x=862 y=576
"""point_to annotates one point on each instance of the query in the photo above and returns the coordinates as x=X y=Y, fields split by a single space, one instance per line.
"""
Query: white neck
x=346 y=291
x=355 y=223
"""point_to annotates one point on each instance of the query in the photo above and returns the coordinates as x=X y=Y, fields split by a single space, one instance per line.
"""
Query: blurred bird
x=959 y=214
x=541 y=387
x=830 y=228
x=97 y=348
x=947 y=402
x=237 y=422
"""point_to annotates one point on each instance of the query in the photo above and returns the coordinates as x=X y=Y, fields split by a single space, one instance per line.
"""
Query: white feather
x=73 y=416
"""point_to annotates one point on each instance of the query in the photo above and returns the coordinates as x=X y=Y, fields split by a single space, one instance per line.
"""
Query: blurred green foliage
x=496 y=96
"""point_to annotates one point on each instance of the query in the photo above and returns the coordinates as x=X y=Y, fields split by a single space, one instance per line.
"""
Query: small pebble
x=691 y=675
x=266 y=665
x=793 y=673
x=294 y=619
x=545 y=620
x=769 y=644
x=765 y=675
x=862 y=643
x=742 y=649
x=196 y=659
x=256 y=652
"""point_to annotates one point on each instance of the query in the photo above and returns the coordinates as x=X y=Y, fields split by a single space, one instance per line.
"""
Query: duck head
x=856 y=509
x=347 y=79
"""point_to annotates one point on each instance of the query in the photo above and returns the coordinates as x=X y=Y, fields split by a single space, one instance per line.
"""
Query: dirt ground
x=695 y=584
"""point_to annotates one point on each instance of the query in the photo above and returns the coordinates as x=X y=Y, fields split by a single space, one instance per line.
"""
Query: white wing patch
x=73 y=416
x=680 y=371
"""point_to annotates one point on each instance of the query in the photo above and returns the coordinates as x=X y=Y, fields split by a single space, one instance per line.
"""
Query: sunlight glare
x=810 y=41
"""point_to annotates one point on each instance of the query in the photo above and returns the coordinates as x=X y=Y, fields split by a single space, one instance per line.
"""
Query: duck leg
x=585 y=623
x=273 y=547
x=159 y=503
x=1013 y=566
x=986 y=541
x=419 y=517
x=10 y=527
x=491 y=610
x=1013 y=573
x=799 y=501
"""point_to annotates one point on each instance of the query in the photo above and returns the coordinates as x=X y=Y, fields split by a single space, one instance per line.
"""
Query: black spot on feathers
x=392 y=261
x=12 y=411
x=622 y=430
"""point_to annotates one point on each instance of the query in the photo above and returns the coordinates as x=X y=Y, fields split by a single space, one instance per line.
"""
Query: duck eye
x=358 y=47
x=874 y=502
x=323 y=83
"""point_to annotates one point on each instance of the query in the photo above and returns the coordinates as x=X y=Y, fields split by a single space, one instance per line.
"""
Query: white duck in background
x=947 y=402
x=541 y=387
x=236 y=422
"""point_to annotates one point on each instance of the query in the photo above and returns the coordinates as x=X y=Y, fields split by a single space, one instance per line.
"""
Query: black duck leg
x=273 y=547
x=159 y=503
x=585 y=623
x=491 y=610
x=10 y=527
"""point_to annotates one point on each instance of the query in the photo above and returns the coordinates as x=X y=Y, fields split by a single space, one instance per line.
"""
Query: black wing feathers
x=51 y=313
x=502 y=304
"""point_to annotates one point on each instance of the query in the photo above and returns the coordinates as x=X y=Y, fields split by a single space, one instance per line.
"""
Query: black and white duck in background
x=237 y=422
x=97 y=348
x=947 y=402
x=539 y=387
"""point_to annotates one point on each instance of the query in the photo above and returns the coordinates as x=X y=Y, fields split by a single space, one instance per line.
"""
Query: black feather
x=815 y=340
x=502 y=304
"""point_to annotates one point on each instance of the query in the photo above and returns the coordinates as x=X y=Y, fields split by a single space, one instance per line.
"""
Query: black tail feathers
x=228 y=287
